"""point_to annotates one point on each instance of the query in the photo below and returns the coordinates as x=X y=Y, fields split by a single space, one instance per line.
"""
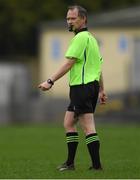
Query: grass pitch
x=33 y=152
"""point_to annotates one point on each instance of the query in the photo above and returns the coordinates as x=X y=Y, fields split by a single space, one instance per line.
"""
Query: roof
x=122 y=17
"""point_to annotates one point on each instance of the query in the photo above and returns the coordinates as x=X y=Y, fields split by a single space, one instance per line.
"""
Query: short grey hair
x=82 y=12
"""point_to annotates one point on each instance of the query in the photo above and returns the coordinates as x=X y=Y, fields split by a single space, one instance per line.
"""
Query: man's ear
x=85 y=19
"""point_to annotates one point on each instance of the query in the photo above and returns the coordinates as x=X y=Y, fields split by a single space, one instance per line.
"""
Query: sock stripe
x=92 y=139
x=72 y=139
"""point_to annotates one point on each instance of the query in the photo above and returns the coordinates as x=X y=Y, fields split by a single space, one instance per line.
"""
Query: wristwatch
x=49 y=81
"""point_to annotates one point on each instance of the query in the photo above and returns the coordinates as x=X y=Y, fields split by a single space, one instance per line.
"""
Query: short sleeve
x=77 y=47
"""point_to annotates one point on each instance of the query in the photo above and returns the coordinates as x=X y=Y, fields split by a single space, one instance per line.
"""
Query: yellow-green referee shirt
x=84 y=48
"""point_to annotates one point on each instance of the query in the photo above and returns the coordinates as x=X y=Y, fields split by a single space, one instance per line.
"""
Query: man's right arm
x=61 y=72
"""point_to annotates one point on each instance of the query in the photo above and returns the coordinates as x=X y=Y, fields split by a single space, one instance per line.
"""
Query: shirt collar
x=80 y=30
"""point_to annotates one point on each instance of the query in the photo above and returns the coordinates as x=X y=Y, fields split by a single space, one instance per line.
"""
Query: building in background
x=15 y=90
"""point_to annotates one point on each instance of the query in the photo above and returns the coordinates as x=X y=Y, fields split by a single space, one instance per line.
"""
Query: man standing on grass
x=86 y=84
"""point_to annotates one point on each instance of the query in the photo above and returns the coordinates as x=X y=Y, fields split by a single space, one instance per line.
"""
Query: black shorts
x=83 y=98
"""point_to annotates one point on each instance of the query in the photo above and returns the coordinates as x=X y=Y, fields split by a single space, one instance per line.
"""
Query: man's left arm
x=102 y=94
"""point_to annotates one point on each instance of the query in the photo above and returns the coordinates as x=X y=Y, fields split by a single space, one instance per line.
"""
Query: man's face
x=74 y=21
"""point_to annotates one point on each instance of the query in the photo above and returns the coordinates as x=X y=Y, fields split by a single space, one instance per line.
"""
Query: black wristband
x=49 y=81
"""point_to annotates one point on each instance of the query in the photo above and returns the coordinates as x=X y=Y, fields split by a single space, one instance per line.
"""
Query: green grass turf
x=33 y=152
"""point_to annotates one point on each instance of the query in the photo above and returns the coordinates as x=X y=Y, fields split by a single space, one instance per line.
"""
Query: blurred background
x=33 y=41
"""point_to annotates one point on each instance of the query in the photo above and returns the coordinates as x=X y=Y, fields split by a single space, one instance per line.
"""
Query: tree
x=20 y=19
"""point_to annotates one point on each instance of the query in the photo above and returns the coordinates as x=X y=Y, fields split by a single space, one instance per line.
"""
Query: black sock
x=93 y=144
x=72 y=143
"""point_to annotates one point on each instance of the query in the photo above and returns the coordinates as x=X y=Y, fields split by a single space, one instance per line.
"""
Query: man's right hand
x=45 y=86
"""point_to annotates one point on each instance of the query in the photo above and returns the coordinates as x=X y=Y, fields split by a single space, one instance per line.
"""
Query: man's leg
x=72 y=141
x=92 y=139
x=71 y=136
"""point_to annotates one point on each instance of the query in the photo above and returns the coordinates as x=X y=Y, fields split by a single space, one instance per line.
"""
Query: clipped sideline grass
x=33 y=152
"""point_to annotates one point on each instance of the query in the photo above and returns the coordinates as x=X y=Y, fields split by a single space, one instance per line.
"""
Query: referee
x=83 y=62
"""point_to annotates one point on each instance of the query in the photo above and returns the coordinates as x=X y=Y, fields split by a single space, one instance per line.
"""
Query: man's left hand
x=102 y=97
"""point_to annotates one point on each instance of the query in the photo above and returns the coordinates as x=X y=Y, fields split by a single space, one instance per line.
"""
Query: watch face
x=50 y=81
